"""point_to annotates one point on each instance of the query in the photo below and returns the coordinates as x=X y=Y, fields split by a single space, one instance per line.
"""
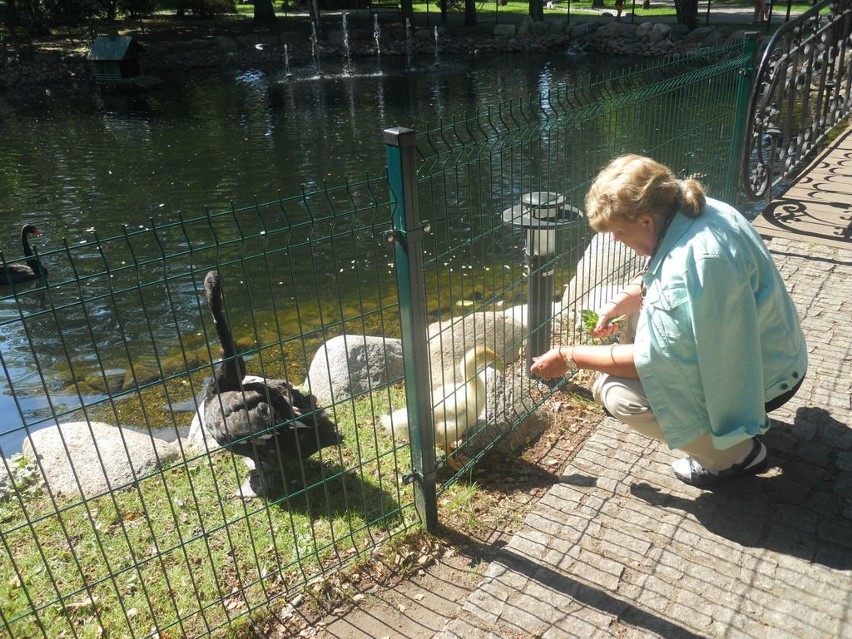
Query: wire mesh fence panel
x=124 y=515
x=140 y=369
x=488 y=266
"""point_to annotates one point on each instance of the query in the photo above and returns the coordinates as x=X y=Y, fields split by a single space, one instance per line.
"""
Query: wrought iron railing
x=802 y=90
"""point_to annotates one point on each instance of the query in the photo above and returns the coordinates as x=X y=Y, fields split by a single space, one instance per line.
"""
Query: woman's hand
x=552 y=363
x=605 y=326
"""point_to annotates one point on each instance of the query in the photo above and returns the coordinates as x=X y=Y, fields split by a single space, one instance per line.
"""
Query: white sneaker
x=691 y=472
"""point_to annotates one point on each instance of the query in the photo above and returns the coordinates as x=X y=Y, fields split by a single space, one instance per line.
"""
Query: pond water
x=216 y=138
x=208 y=140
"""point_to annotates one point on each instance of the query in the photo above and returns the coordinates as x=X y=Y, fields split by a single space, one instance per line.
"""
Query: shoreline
x=50 y=75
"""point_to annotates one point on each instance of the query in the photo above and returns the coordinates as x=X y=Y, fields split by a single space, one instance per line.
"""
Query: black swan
x=267 y=420
x=17 y=272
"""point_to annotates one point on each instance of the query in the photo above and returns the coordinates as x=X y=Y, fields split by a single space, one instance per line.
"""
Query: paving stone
x=622 y=549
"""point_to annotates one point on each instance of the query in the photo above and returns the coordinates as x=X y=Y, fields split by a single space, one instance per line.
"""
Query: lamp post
x=541 y=214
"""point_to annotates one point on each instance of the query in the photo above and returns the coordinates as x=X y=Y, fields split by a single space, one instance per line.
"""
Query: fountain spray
x=347 y=65
x=377 y=38
x=315 y=48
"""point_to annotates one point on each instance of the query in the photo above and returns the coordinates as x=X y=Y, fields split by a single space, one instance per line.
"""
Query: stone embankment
x=53 y=73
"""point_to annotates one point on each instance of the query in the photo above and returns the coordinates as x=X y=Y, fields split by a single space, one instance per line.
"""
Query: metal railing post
x=407 y=236
x=742 y=128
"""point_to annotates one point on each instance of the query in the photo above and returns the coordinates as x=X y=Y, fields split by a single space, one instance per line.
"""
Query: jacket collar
x=677 y=228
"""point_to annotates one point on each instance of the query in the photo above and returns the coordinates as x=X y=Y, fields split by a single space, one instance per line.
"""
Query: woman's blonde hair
x=632 y=185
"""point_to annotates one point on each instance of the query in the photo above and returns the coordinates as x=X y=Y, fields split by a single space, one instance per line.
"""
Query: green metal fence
x=122 y=519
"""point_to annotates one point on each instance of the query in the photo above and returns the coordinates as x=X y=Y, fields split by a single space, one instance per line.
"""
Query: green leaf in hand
x=590 y=320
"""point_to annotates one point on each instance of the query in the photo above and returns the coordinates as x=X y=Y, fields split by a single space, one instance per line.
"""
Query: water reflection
x=98 y=175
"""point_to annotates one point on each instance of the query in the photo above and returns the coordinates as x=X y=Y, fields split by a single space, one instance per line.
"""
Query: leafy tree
x=137 y=8
x=24 y=18
x=204 y=8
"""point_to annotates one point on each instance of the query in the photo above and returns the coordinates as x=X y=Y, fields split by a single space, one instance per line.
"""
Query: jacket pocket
x=669 y=316
x=671 y=296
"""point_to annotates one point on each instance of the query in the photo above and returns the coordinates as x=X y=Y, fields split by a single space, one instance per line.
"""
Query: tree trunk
x=263 y=11
x=469 y=13
x=687 y=12
x=537 y=10
x=407 y=7
x=598 y=4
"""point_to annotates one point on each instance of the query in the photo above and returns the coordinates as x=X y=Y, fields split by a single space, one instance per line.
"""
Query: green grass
x=179 y=552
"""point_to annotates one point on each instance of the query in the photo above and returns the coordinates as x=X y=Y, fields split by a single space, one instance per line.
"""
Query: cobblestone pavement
x=620 y=548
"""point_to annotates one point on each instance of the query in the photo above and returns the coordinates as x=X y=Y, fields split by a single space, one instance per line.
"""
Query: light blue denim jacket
x=718 y=335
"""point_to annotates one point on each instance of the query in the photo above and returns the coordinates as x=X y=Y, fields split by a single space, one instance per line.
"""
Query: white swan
x=455 y=407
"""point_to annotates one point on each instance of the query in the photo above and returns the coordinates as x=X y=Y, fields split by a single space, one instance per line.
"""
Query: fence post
x=407 y=235
x=744 y=117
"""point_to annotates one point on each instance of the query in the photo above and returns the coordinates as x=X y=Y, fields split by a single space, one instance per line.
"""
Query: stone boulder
x=508 y=401
x=714 y=38
x=616 y=29
x=644 y=30
x=606 y=267
x=678 y=32
x=504 y=30
x=699 y=35
x=525 y=26
x=450 y=340
x=90 y=458
x=348 y=365
x=539 y=29
x=581 y=30
x=660 y=32
x=226 y=44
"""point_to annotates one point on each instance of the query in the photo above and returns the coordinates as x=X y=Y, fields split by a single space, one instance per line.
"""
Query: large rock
x=617 y=29
x=226 y=44
x=539 y=28
x=348 y=365
x=504 y=29
x=606 y=265
x=508 y=401
x=525 y=26
x=698 y=35
x=578 y=31
x=660 y=32
x=89 y=458
x=644 y=30
x=450 y=340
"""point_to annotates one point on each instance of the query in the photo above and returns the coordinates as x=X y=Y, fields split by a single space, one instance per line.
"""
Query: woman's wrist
x=567 y=355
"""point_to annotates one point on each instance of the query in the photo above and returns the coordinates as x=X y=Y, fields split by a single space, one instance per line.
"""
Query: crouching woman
x=718 y=343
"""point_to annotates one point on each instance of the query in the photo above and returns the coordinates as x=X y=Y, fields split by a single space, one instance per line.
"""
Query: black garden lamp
x=541 y=214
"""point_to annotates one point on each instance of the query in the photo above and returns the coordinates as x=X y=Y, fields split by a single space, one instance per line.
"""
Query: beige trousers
x=625 y=400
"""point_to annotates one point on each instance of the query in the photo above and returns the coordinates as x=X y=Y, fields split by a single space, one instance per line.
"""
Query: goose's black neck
x=33 y=262
x=232 y=369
